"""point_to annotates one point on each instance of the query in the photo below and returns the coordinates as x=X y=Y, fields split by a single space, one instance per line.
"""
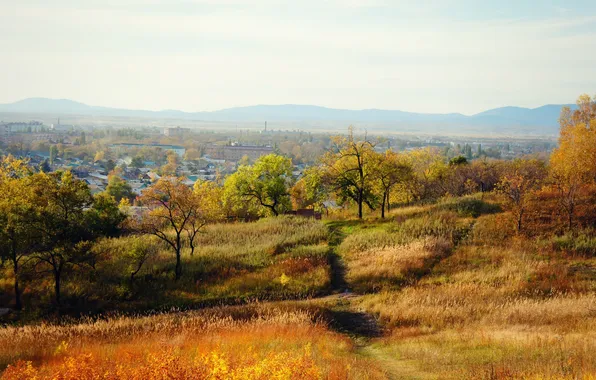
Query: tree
x=119 y=188
x=430 y=174
x=573 y=163
x=391 y=169
x=16 y=239
x=208 y=207
x=110 y=165
x=137 y=162
x=44 y=166
x=99 y=155
x=309 y=190
x=518 y=183
x=53 y=154
x=349 y=170
x=171 y=206
x=265 y=183
x=138 y=251
x=65 y=234
x=170 y=168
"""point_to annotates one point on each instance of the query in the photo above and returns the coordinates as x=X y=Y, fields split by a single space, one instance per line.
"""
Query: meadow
x=443 y=290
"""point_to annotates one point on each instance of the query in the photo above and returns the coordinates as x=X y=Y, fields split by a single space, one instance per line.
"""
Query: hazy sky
x=194 y=55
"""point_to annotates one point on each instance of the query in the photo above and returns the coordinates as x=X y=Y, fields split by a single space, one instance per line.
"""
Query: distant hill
x=542 y=120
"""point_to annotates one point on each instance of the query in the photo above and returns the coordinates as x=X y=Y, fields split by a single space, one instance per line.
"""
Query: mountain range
x=517 y=120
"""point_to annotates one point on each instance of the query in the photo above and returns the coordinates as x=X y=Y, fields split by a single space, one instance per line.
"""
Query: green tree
x=137 y=162
x=119 y=188
x=65 y=234
x=265 y=183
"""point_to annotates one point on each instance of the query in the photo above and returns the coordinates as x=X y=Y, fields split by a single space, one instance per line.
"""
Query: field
x=438 y=291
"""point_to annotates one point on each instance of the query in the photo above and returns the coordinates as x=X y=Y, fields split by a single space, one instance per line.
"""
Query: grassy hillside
x=439 y=291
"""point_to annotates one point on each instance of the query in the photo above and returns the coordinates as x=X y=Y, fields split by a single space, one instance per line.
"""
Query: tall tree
x=53 y=154
x=573 y=163
x=62 y=221
x=350 y=169
x=171 y=206
x=391 y=169
x=16 y=239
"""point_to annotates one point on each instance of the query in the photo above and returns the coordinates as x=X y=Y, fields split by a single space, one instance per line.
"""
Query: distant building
x=237 y=152
x=175 y=132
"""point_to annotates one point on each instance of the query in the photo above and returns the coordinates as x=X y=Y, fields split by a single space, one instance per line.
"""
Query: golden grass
x=388 y=267
x=233 y=343
x=494 y=353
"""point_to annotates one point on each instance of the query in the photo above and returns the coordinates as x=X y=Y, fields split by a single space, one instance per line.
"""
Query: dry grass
x=494 y=353
x=491 y=312
x=391 y=267
x=234 y=343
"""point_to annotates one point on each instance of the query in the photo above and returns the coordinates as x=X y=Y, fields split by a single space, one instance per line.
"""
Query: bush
x=469 y=206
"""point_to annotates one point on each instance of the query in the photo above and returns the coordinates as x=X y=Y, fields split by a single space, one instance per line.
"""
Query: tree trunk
x=57 y=286
x=383 y=205
x=519 y=221
x=17 y=291
x=360 y=201
x=178 y=270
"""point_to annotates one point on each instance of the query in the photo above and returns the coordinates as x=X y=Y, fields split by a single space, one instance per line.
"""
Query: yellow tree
x=16 y=209
x=391 y=170
x=350 y=170
x=170 y=208
x=573 y=163
x=208 y=207
x=430 y=171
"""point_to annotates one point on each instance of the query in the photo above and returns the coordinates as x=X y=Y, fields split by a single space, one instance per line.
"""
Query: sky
x=435 y=56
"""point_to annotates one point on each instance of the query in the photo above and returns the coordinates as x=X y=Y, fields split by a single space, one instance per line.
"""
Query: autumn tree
x=266 y=183
x=430 y=174
x=573 y=163
x=66 y=218
x=208 y=208
x=518 y=182
x=16 y=238
x=138 y=251
x=390 y=169
x=350 y=170
x=171 y=206
x=309 y=190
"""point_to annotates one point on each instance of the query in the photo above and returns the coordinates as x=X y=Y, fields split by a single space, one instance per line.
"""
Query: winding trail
x=362 y=327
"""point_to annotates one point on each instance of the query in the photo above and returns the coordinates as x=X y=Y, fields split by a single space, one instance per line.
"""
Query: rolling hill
x=541 y=120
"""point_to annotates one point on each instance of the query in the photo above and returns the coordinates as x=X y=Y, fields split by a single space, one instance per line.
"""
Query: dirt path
x=364 y=328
